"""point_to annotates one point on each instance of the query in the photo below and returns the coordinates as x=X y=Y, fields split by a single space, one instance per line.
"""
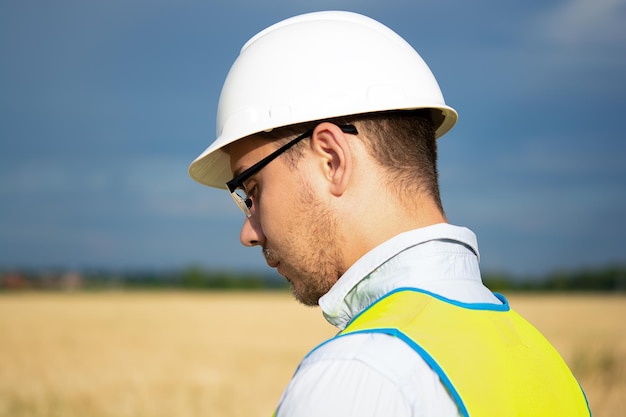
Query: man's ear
x=332 y=147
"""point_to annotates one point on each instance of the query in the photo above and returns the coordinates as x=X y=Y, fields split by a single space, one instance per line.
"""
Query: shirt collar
x=404 y=255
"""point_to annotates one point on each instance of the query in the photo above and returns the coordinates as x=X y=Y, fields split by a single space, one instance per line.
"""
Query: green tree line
x=610 y=278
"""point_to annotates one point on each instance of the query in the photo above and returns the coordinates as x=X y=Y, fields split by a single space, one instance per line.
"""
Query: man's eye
x=251 y=193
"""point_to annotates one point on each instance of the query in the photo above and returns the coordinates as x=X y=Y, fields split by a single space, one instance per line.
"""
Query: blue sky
x=103 y=104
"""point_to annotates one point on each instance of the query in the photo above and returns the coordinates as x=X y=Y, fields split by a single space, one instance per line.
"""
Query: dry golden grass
x=229 y=354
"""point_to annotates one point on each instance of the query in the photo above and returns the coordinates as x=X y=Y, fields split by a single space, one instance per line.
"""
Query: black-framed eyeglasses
x=236 y=185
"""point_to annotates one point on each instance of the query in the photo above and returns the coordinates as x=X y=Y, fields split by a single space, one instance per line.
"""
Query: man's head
x=343 y=188
x=327 y=125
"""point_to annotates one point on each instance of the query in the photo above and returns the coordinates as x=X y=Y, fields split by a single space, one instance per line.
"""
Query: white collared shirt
x=375 y=374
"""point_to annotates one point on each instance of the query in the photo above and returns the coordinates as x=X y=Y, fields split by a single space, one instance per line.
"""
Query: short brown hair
x=403 y=142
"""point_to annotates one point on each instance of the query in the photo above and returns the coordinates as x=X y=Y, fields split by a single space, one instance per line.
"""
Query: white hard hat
x=312 y=67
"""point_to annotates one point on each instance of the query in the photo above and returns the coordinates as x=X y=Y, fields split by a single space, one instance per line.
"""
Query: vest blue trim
x=472 y=306
x=427 y=358
x=417 y=348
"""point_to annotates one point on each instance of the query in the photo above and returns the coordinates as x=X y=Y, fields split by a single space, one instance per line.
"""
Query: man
x=327 y=127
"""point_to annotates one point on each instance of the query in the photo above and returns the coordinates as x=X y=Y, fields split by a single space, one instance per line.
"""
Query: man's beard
x=312 y=263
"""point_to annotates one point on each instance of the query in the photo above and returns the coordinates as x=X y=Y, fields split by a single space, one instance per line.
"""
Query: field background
x=187 y=354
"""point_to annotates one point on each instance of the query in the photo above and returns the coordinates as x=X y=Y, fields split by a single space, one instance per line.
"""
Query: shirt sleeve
x=341 y=388
x=365 y=375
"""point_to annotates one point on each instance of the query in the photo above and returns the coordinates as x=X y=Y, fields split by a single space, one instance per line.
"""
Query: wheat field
x=187 y=354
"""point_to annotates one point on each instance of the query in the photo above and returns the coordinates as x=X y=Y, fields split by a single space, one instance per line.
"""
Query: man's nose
x=251 y=233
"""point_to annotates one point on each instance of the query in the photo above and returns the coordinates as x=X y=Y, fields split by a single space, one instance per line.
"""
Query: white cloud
x=586 y=23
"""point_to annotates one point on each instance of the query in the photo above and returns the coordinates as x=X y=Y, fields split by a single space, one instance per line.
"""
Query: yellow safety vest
x=491 y=360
